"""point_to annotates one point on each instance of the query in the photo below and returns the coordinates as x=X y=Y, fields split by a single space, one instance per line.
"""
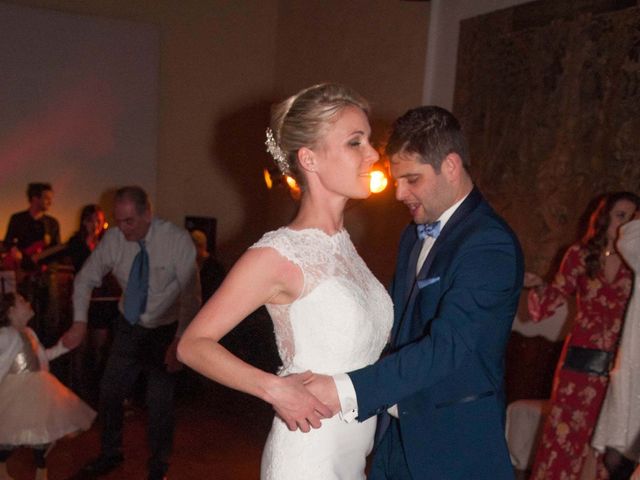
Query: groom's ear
x=451 y=166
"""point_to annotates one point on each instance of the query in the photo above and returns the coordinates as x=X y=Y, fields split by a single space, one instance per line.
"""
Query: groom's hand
x=295 y=405
x=323 y=387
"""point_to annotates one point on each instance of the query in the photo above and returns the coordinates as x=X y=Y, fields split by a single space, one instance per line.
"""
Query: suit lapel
x=470 y=203
x=411 y=267
x=466 y=207
x=405 y=276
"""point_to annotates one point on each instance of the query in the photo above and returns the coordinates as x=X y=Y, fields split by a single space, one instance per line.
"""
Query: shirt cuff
x=534 y=305
x=55 y=351
x=81 y=315
x=347 y=397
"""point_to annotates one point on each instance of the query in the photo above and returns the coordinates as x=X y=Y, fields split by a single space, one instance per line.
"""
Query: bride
x=330 y=314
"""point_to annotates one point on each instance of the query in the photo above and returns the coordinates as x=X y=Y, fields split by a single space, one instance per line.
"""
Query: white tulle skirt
x=36 y=409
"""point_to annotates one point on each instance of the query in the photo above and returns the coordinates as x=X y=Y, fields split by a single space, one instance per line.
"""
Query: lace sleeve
x=281 y=243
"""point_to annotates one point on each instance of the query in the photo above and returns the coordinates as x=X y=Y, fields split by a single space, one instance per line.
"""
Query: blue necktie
x=429 y=230
x=135 y=296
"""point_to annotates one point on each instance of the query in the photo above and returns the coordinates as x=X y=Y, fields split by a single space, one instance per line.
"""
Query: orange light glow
x=267 y=178
x=294 y=188
x=272 y=177
x=378 y=181
x=292 y=182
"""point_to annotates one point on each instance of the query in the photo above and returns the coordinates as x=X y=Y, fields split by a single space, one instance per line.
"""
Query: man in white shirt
x=154 y=262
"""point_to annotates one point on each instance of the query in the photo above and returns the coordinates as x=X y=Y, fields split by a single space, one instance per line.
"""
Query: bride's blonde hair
x=303 y=119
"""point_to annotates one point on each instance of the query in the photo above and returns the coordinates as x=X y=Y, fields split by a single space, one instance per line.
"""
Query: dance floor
x=219 y=435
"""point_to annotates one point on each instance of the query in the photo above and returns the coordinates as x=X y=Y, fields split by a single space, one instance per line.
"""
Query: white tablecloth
x=525 y=419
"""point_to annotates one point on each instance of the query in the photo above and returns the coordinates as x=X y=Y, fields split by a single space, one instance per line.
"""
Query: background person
x=211 y=271
x=154 y=263
x=31 y=231
x=594 y=273
x=30 y=234
x=35 y=408
x=89 y=358
x=618 y=429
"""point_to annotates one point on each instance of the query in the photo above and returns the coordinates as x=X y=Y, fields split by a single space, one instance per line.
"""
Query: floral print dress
x=577 y=396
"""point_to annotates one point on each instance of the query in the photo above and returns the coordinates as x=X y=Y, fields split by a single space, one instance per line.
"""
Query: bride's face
x=344 y=156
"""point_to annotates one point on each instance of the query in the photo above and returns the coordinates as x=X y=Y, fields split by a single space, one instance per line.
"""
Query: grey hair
x=136 y=195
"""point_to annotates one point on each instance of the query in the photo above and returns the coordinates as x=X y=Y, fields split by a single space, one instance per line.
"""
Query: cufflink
x=349 y=416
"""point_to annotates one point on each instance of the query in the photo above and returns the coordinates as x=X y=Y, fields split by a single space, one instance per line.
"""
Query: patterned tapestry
x=549 y=96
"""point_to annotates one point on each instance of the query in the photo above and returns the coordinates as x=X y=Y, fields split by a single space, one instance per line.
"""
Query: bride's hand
x=295 y=405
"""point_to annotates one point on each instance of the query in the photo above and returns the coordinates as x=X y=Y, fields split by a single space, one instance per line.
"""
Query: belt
x=588 y=360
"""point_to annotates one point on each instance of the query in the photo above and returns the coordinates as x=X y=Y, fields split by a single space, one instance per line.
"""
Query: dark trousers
x=137 y=350
x=389 y=461
x=39 y=455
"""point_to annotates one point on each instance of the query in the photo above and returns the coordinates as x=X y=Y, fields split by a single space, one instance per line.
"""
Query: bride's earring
x=307 y=161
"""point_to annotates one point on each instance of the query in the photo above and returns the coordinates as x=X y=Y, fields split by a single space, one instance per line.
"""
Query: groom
x=439 y=389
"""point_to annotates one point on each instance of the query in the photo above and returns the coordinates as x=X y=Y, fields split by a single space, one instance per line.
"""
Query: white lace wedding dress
x=340 y=322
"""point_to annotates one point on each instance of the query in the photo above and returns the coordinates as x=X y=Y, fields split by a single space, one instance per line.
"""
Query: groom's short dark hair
x=430 y=131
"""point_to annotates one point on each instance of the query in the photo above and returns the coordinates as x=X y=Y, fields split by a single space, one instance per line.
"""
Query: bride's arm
x=260 y=276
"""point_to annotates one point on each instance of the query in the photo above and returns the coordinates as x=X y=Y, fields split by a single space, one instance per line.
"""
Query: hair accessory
x=276 y=152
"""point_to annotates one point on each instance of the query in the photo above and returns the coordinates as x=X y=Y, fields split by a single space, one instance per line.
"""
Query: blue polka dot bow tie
x=429 y=230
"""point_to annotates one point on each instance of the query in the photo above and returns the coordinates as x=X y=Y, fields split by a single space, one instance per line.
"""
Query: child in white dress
x=35 y=408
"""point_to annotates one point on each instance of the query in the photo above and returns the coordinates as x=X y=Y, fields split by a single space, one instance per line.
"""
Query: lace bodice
x=343 y=317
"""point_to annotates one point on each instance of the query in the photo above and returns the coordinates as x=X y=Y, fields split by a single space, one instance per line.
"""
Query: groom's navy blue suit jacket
x=445 y=368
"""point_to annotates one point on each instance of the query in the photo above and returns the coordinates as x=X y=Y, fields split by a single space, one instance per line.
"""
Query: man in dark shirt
x=31 y=231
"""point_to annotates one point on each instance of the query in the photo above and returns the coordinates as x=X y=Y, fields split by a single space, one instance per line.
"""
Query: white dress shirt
x=174 y=288
x=344 y=385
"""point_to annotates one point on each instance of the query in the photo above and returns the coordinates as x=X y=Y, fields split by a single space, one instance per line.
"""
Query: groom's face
x=424 y=191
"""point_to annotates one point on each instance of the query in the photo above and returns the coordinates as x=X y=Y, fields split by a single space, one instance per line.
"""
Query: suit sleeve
x=483 y=278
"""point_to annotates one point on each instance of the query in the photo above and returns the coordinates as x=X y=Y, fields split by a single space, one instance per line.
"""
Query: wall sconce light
x=273 y=177
x=269 y=174
x=378 y=180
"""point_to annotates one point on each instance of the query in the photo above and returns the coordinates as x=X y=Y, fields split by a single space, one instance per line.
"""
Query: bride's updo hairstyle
x=303 y=119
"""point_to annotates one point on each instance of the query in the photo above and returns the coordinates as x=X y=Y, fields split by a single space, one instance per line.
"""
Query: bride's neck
x=327 y=216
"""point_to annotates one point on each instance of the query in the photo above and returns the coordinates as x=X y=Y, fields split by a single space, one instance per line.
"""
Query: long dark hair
x=595 y=239
x=7 y=301
x=87 y=211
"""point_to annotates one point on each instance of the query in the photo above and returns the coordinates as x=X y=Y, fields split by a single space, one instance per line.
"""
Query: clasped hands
x=302 y=400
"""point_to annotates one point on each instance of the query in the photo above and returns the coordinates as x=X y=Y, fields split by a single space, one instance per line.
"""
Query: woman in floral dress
x=594 y=273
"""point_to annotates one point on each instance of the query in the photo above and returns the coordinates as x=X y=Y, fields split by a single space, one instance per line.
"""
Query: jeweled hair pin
x=276 y=152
